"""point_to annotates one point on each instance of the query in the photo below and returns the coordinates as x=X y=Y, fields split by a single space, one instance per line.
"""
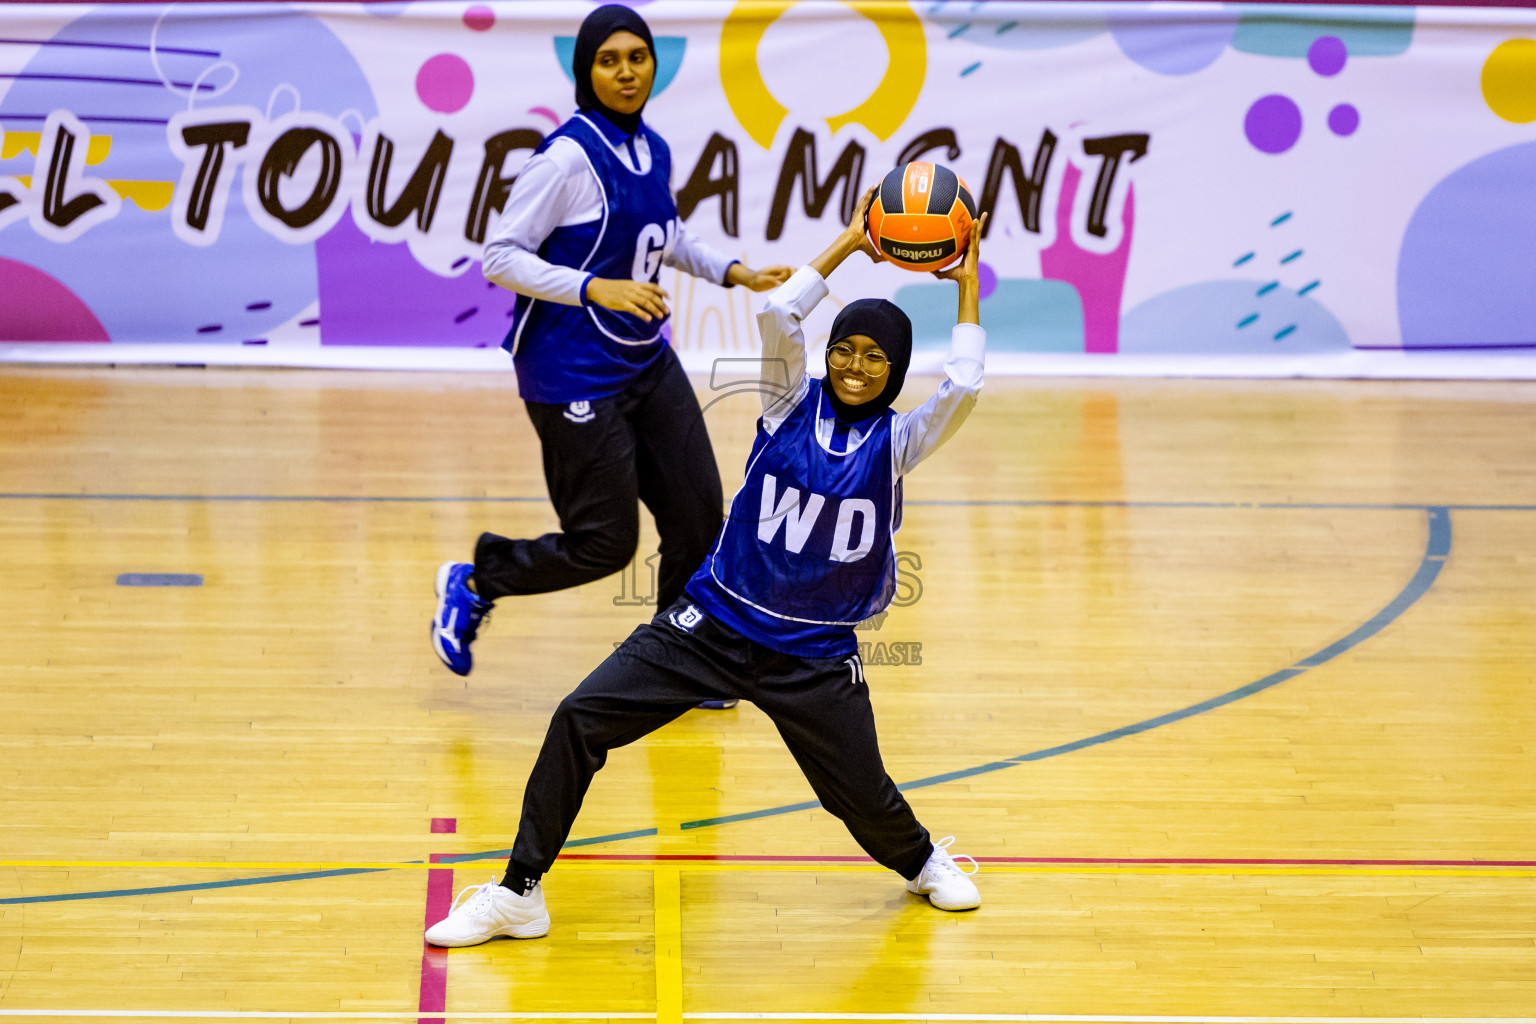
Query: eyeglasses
x=841 y=356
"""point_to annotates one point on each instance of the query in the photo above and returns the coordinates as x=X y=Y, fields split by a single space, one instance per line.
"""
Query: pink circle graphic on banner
x=36 y=306
x=445 y=83
x=479 y=18
x=1343 y=119
x=1273 y=123
x=1326 y=55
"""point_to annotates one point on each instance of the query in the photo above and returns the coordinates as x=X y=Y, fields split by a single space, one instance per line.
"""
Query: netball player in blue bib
x=805 y=554
x=588 y=226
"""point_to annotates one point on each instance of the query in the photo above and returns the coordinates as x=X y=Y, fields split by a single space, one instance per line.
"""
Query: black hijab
x=884 y=322
x=595 y=30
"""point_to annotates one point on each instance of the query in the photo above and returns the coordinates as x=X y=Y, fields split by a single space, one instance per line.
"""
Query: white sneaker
x=490 y=911
x=944 y=883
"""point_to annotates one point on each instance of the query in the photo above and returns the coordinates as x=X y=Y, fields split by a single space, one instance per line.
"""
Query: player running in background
x=587 y=228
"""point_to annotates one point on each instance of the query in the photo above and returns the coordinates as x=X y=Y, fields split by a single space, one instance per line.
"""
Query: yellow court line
x=667 y=895
x=679 y=866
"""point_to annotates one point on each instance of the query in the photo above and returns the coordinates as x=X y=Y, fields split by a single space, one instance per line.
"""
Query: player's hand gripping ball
x=921 y=216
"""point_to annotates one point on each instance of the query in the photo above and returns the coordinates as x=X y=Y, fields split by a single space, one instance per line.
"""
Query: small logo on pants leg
x=580 y=412
x=687 y=619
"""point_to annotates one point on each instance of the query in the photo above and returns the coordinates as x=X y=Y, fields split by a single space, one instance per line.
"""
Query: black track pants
x=819 y=705
x=647 y=442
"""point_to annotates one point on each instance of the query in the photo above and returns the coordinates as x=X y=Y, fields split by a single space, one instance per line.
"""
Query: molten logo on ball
x=921 y=216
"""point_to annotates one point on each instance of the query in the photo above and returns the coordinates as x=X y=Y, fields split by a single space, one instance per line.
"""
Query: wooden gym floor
x=1228 y=685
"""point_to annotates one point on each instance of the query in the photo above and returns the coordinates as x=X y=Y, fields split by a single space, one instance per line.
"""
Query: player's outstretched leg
x=459 y=614
x=491 y=910
x=821 y=709
x=654 y=677
x=944 y=882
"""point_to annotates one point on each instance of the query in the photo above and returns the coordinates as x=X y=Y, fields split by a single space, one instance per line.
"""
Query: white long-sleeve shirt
x=915 y=435
x=557 y=188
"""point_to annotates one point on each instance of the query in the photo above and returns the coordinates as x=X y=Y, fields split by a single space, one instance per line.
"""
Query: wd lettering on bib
x=807 y=551
x=798 y=521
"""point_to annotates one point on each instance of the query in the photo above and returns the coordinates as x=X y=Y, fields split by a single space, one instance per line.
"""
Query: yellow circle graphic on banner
x=1509 y=80
x=883 y=113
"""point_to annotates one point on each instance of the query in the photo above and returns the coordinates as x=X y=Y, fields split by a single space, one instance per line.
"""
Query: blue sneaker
x=718 y=705
x=459 y=614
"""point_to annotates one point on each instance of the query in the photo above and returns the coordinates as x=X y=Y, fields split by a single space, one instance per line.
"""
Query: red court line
x=1217 y=861
x=434 y=961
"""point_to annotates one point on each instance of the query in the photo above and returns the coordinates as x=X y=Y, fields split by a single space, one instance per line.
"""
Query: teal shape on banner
x=1007 y=25
x=669 y=58
x=1230 y=318
x=1021 y=315
x=1275 y=31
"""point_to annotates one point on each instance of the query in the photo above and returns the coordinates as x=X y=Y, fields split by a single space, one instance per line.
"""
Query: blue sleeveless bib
x=807 y=552
x=564 y=353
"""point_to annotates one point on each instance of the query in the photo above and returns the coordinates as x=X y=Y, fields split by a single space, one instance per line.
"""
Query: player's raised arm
x=967 y=274
x=850 y=240
x=919 y=433
x=780 y=324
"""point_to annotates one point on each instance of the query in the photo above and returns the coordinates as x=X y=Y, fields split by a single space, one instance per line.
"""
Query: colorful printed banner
x=1298 y=186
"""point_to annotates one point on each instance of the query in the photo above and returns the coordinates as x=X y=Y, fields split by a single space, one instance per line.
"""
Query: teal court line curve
x=1437 y=549
x=1435 y=552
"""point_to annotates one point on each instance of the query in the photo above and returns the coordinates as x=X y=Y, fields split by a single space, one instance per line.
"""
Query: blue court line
x=298 y=876
x=160 y=579
x=1437 y=549
x=384 y=499
x=228 y=883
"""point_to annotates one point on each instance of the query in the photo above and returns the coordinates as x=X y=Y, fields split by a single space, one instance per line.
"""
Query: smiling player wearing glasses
x=805 y=555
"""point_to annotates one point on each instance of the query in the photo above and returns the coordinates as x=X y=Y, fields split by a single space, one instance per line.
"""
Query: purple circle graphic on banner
x=479 y=18
x=1273 y=123
x=445 y=83
x=1343 y=119
x=986 y=280
x=1326 y=55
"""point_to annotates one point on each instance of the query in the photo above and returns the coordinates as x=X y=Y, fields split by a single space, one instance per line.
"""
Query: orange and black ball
x=921 y=216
